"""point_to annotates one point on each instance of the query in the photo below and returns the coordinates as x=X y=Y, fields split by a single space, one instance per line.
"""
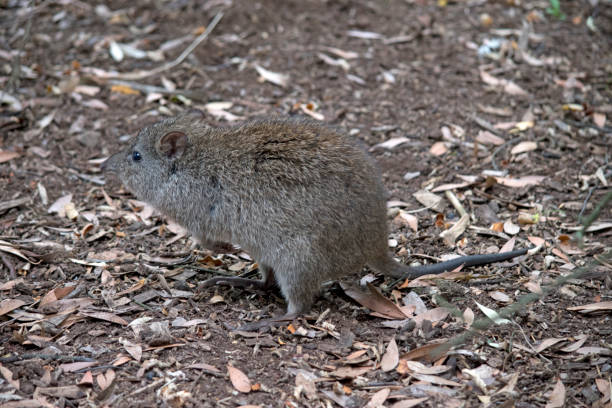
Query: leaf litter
x=94 y=280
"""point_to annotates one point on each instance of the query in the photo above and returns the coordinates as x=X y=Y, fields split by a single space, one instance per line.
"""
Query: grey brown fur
x=302 y=198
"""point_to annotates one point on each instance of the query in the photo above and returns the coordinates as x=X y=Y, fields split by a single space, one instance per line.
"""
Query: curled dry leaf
x=450 y=235
x=390 y=144
x=420 y=368
x=510 y=228
x=525 y=218
x=524 y=147
x=433 y=315
x=580 y=340
x=533 y=287
x=273 y=77
x=407 y=219
x=474 y=375
x=239 y=379
x=492 y=314
x=59 y=206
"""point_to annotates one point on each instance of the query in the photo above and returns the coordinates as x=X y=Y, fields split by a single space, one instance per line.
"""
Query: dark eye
x=136 y=156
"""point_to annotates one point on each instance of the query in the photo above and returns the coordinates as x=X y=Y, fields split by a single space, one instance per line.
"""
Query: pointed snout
x=109 y=165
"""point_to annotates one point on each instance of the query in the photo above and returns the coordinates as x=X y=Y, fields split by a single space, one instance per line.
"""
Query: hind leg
x=299 y=289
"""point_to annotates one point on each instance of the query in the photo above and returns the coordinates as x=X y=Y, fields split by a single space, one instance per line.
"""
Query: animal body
x=302 y=198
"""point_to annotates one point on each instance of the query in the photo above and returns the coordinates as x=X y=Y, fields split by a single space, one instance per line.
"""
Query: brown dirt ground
x=410 y=88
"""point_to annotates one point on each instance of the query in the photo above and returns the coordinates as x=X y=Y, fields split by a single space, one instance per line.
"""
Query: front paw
x=223 y=248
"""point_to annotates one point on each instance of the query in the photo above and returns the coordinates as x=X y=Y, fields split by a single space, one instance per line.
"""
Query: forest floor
x=505 y=104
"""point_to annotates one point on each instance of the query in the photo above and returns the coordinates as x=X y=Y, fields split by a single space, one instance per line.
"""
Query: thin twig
x=54 y=357
x=586 y=202
x=502 y=147
x=13 y=82
x=593 y=216
x=177 y=61
x=196 y=95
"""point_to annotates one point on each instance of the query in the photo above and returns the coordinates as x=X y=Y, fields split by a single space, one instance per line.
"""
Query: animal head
x=153 y=156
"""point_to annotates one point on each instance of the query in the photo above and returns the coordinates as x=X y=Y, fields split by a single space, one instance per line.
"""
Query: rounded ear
x=193 y=113
x=172 y=145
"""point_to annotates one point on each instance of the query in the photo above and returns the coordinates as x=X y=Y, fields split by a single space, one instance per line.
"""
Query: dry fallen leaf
x=429 y=200
x=409 y=403
x=239 y=379
x=520 y=182
x=433 y=315
x=72 y=367
x=8 y=376
x=376 y=302
x=510 y=228
x=580 y=340
x=59 y=206
x=593 y=307
x=8 y=305
x=87 y=379
x=557 y=396
x=390 y=144
x=523 y=147
x=133 y=349
x=349 y=371
x=500 y=296
x=379 y=398
x=546 y=343
x=599 y=119
x=438 y=149
x=104 y=380
x=391 y=357
x=273 y=77
x=7 y=155
x=429 y=352
x=109 y=317
x=468 y=317
x=57 y=294
x=420 y=368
